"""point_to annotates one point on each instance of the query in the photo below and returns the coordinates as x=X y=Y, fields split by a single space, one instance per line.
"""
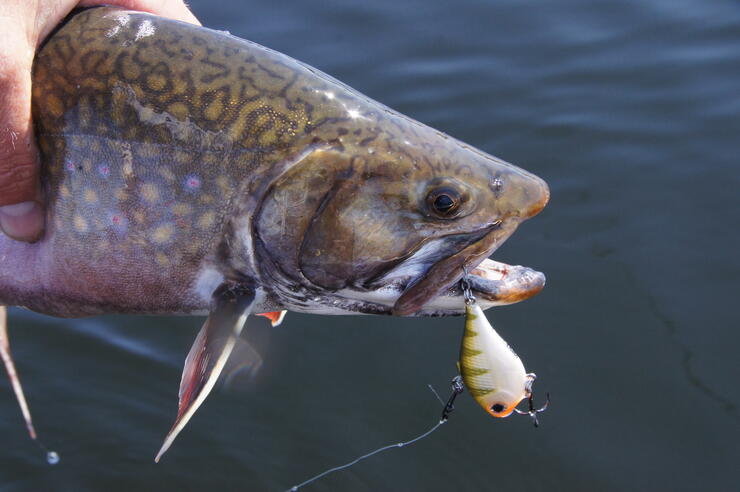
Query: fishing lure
x=490 y=368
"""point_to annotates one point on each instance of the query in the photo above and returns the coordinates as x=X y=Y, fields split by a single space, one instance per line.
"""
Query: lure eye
x=444 y=202
x=498 y=408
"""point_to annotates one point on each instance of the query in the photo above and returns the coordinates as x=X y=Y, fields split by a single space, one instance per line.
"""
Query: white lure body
x=490 y=369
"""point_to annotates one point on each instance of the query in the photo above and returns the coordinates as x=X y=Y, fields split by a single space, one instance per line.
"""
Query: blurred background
x=630 y=110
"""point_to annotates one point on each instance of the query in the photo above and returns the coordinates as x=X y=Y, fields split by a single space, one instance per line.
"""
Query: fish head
x=387 y=216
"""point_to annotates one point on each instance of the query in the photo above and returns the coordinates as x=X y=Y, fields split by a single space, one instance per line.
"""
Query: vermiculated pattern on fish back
x=178 y=124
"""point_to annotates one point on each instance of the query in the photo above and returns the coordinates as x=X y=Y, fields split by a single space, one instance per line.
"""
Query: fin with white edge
x=12 y=373
x=230 y=306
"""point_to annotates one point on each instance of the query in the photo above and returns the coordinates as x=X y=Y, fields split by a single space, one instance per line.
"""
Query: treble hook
x=532 y=412
x=457 y=388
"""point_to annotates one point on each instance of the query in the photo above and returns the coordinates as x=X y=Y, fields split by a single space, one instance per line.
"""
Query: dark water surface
x=630 y=110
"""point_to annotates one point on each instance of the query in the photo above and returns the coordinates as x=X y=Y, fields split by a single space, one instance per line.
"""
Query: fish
x=187 y=171
x=490 y=369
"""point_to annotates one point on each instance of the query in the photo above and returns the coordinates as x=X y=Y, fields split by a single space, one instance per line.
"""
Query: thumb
x=21 y=214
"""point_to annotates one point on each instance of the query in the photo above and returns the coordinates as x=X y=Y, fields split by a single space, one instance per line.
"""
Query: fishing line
x=456 y=390
x=436 y=394
x=52 y=457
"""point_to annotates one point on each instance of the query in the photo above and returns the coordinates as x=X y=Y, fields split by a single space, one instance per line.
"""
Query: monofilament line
x=372 y=453
x=436 y=394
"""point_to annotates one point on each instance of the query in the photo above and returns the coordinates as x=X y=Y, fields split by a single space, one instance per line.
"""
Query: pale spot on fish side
x=224 y=184
x=163 y=233
x=166 y=173
x=182 y=209
x=80 y=223
x=139 y=217
x=150 y=192
x=90 y=196
x=206 y=200
x=207 y=220
x=162 y=259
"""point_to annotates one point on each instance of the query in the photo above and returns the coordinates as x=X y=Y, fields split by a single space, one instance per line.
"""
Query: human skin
x=25 y=24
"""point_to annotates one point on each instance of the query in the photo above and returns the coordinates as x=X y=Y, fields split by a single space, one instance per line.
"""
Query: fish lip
x=498 y=283
x=446 y=272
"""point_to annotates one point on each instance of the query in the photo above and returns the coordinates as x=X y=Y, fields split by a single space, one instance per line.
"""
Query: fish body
x=176 y=158
x=188 y=171
x=490 y=368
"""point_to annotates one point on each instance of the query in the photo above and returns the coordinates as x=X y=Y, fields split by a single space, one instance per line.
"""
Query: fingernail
x=22 y=221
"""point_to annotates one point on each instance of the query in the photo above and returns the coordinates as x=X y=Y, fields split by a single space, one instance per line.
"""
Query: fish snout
x=540 y=197
x=528 y=194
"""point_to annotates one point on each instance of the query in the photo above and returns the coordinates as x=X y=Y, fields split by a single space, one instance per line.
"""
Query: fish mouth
x=427 y=283
x=496 y=283
x=492 y=282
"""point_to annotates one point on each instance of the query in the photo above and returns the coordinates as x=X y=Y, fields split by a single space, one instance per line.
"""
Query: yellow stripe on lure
x=490 y=369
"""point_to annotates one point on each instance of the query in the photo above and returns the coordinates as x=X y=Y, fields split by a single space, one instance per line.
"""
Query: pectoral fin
x=12 y=374
x=231 y=304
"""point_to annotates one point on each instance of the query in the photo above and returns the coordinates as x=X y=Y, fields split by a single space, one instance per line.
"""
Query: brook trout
x=189 y=171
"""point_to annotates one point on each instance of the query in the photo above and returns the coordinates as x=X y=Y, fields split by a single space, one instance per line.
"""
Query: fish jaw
x=449 y=270
x=492 y=283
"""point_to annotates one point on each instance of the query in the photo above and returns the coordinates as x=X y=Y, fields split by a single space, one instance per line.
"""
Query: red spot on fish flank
x=192 y=182
x=118 y=221
x=69 y=166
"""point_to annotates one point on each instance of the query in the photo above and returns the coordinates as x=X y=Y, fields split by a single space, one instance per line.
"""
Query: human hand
x=24 y=24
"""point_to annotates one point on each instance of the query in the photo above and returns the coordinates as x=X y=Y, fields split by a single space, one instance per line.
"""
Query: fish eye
x=498 y=408
x=444 y=202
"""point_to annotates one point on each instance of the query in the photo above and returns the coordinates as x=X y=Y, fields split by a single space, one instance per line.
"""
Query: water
x=630 y=111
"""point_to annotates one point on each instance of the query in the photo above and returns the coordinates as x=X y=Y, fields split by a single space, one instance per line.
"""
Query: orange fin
x=12 y=374
x=275 y=317
x=207 y=357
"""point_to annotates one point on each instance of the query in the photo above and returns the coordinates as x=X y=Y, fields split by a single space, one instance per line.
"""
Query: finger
x=21 y=216
x=173 y=9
